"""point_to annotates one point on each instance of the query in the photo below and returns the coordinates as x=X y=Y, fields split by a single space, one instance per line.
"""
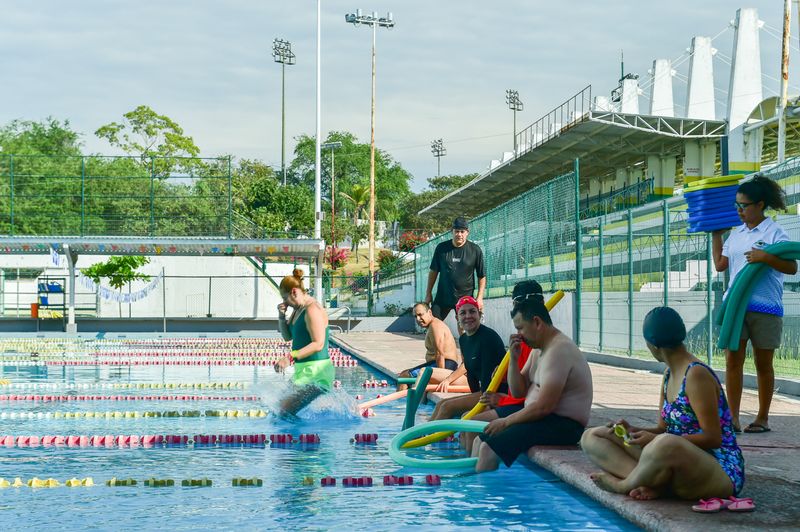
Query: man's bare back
x=562 y=360
x=439 y=341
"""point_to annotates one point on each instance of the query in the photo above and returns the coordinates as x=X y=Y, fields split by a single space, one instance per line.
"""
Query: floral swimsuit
x=681 y=419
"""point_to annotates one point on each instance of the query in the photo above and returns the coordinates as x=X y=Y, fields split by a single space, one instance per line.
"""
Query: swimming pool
x=517 y=498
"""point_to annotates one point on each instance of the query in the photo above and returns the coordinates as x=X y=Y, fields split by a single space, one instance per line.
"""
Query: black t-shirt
x=457 y=268
x=482 y=353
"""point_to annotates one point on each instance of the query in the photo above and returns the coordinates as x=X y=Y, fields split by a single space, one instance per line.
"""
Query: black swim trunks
x=452 y=365
x=517 y=439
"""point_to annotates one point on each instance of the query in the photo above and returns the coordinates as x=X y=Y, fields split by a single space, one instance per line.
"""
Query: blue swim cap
x=663 y=327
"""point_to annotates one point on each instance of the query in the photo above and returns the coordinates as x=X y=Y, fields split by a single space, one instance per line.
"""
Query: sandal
x=710 y=506
x=740 y=505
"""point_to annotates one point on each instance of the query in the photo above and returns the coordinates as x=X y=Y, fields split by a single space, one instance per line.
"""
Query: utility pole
x=282 y=53
x=383 y=22
x=787 y=19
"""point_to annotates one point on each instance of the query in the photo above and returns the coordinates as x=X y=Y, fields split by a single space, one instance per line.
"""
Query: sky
x=442 y=71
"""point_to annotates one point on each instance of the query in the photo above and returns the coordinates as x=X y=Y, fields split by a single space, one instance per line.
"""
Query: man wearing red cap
x=455 y=263
x=482 y=350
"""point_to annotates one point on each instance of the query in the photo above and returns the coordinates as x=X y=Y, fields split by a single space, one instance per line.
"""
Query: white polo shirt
x=768 y=293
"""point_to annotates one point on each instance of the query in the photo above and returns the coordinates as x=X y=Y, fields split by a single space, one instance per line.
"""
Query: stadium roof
x=602 y=140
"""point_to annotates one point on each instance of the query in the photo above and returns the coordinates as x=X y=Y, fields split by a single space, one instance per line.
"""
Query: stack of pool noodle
x=711 y=203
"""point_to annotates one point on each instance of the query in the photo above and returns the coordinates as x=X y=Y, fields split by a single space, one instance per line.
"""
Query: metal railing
x=576 y=109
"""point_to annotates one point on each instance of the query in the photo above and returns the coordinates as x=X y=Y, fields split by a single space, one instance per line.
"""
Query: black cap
x=460 y=223
x=663 y=327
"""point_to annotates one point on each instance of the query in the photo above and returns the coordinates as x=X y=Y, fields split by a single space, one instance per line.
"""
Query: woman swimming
x=307 y=328
x=692 y=452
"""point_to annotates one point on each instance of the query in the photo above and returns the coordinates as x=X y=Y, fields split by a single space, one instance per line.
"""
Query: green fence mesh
x=632 y=259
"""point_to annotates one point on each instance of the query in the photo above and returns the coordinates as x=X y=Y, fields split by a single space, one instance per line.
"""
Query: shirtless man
x=556 y=383
x=440 y=349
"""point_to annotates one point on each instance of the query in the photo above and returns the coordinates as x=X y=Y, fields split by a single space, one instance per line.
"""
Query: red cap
x=466 y=300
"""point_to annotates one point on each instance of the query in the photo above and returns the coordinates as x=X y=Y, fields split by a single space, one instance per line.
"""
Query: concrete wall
x=236 y=288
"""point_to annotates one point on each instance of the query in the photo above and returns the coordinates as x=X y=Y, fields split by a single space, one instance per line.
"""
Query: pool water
x=517 y=498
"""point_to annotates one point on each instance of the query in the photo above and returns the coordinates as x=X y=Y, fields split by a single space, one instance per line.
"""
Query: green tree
x=438 y=187
x=145 y=133
x=119 y=271
x=49 y=137
x=351 y=169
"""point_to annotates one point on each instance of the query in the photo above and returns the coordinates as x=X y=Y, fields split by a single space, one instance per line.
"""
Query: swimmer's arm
x=284 y=329
x=316 y=322
x=517 y=379
x=720 y=260
x=457 y=373
x=702 y=391
x=440 y=341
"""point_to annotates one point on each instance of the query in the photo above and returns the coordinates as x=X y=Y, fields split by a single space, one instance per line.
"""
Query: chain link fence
x=619 y=264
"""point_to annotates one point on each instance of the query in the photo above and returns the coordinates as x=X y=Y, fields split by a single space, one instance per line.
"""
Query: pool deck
x=772 y=459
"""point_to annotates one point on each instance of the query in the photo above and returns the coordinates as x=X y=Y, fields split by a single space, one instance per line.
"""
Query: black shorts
x=507 y=410
x=440 y=311
x=452 y=365
x=517 y=439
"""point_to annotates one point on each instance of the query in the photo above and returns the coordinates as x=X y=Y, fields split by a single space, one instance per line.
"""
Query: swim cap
x=467 y=300
x=663 y=327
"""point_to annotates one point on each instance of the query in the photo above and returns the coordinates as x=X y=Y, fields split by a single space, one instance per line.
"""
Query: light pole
x=387 y=22
x=514 y=103
x=333 y=146
x=282 y=53
x=438 y=150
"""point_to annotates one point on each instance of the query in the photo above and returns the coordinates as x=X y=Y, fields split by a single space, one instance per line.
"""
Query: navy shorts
x=517 y=439
x=452 y=365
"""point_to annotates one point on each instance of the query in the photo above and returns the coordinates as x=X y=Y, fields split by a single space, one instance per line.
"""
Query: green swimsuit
x=316 y=369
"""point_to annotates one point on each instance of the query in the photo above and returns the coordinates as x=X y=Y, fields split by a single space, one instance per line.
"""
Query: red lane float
x=132 y=440
x=67 y=398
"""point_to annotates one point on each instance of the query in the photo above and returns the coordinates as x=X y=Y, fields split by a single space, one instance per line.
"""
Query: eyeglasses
x=520 y=299
x=742 y=205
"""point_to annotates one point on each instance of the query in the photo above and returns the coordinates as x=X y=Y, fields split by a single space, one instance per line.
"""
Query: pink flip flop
x=740 y=505
x=710 y=506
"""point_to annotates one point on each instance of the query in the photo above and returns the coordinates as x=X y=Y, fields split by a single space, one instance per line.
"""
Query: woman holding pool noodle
x=307 y=328
x=763 y=318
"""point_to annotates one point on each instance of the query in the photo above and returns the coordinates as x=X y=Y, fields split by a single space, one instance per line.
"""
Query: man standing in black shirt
x=456 y=263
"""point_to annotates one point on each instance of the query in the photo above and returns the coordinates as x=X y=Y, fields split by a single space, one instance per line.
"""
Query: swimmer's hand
x=515 y=346
x=641 y=438
x=443 y=386
x=491 y=400
x=282 y=364
x=495 y=427
x=282 y=309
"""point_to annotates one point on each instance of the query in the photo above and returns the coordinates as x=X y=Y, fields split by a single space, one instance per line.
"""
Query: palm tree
x=359 y=197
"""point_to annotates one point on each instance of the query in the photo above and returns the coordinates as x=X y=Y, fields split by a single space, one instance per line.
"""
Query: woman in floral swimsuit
x=692 y=453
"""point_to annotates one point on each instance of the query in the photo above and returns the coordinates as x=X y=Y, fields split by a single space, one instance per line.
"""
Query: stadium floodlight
x=375 y=22
x=438 y=150
x=333 y=146
x=282 y=53
x=515 y=104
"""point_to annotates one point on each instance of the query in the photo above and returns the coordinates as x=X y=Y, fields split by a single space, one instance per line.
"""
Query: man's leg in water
x=300 y=399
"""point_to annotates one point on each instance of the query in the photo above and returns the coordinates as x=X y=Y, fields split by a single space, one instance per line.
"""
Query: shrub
x=411 y=239
x=336 y=257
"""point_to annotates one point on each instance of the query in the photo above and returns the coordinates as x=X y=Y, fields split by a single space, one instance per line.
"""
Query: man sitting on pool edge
x=556 y=382
x=440 y=348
